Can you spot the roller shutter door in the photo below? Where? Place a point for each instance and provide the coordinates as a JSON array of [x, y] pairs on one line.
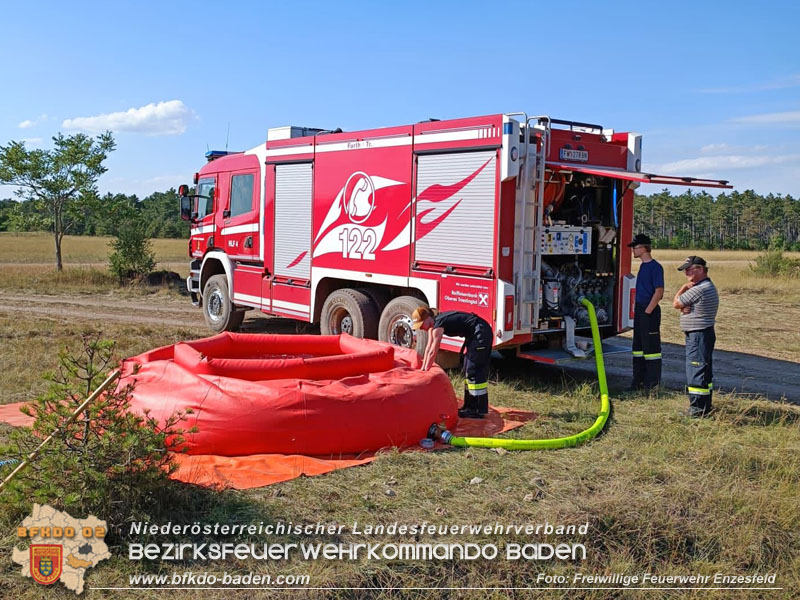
[[466, 181], [293, 190]]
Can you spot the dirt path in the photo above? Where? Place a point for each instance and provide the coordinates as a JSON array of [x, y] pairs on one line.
[[745, 373], [155, 311]]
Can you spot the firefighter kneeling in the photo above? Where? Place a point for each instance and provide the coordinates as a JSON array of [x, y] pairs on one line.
[[477, 335]]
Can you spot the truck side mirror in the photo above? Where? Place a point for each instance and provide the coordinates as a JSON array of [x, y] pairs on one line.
[[186, 204], [183, 190]]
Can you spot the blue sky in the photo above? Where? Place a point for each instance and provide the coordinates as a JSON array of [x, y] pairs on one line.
[[714, 87]]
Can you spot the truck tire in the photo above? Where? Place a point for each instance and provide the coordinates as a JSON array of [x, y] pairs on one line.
[[218, 310], [349, 311], [379, 296], [395, 325]]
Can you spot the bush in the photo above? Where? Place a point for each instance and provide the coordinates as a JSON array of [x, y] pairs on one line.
[[772, 263], [133, 255], [109, 461]]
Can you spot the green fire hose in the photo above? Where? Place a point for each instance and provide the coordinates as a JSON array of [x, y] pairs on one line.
[[563, 442]]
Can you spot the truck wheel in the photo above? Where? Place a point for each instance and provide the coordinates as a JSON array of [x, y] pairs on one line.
[[395, 325], [349, 311], [218, 309]]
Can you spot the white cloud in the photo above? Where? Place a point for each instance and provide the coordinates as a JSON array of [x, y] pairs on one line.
[[28, 123], [788, 118], [163, 118], [34, 141], [782, 83], [711, 164], [713, 148], [721, 148]]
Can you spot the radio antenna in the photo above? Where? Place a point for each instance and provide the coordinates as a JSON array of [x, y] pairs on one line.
[[227, 136]]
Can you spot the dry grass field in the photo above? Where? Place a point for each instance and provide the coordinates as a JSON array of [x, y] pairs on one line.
[[662, 494], [757, 315], [76, 249], [27, 262]]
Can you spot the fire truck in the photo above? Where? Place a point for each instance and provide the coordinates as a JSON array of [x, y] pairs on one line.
[[508, 216]]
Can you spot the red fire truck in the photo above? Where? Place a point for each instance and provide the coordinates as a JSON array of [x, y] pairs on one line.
[[510, 216]]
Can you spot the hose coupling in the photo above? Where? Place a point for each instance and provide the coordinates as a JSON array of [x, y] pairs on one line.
[[438, 432]]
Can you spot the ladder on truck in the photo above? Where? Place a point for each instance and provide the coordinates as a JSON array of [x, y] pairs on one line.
[[529, 214]]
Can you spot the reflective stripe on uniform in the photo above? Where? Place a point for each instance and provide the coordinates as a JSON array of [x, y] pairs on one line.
[[699, 391], [477, 386], [481, 392], [656, 356], [637, 353]]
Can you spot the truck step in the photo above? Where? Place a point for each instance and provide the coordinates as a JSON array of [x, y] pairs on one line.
[[559, 356]]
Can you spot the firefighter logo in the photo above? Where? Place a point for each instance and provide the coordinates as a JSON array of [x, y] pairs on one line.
[[46, 562], [359, 192]]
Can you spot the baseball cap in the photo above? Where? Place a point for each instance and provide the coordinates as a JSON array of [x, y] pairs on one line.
[[640, 240], [692, 260], [417, 318]]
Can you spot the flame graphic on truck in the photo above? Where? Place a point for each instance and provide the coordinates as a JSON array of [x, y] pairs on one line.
[[432, 209]]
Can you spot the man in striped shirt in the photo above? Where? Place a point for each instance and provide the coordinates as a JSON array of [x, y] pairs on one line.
[[698, 302]]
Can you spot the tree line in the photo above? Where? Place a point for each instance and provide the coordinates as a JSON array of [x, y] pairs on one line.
[[105, 215], [731, 220]]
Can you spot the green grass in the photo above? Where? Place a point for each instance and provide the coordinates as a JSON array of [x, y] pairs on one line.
[[662, 494]]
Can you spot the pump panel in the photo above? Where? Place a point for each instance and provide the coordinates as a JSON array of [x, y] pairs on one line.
[[565, 239]]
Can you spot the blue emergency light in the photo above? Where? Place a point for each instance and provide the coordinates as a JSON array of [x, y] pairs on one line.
[[214, 154]]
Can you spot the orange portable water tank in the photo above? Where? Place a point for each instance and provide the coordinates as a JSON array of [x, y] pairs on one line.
[[291, 394]]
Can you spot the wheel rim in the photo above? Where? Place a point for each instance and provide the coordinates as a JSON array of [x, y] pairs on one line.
[[341, 322], [215, 305], [401, 332]]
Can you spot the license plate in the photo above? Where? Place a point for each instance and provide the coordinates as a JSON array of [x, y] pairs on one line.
[[576, 155]]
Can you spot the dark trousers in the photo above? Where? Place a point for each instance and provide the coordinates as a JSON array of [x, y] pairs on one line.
[[476, 366], [646, 347], [700, 369]]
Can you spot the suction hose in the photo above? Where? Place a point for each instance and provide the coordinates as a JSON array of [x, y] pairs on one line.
[[564, 442]]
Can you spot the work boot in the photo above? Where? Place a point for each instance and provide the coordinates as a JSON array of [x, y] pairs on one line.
[[697, 405], [470, 409], [482, 404], [707, 408]]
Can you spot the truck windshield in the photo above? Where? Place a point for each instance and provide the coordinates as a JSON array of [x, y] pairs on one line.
[[205, 196]]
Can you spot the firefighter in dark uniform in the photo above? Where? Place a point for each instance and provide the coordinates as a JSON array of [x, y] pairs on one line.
[[647, 316], [477, 335], [698, 301]]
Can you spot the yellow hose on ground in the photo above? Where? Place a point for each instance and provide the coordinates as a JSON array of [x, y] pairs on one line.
[[563, 442]]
